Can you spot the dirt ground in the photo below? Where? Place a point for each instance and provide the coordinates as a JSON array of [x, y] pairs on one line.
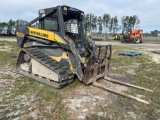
[[7, 39], [82, 103]]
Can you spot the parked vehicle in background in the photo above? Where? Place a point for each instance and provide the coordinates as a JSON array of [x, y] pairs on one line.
[[8, 31], [118, 36], [134, 36]]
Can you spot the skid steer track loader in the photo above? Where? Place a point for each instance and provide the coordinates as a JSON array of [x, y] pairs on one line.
[[54, 50]]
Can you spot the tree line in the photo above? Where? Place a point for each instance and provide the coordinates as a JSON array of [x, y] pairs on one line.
[[92, 23], [106, 23], [12, 23]]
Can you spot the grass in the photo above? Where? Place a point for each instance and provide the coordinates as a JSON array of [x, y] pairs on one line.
[[9, 55], [146, 73], [152, 41], [40, 97], [5, 76], [44, 96]]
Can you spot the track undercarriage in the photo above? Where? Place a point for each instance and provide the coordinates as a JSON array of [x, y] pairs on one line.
[[37, 65]]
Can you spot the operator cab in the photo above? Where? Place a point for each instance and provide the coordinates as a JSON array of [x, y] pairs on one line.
[[65, 21]]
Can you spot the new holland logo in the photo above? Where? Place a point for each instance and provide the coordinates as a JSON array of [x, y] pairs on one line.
[[39, 34], [20, 34]]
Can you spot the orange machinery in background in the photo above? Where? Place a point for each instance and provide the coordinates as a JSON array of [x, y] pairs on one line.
[[134, 36]]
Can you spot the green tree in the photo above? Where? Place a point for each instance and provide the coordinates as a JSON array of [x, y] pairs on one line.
[[90, 22], [111, 25], [106, 21], [154, 33], [129, 22], [115, 25], [11, 23], [20, 22], [3, 24], [125, 23], [100, 24], [94, 23]]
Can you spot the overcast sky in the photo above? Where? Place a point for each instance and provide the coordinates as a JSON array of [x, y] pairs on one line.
[[148, 11]]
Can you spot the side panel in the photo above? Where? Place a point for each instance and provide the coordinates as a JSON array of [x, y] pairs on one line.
[[41, 33], [39, 69], [46, 35]]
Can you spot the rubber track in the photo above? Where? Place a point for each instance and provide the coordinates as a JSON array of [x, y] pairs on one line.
[[65, 75]]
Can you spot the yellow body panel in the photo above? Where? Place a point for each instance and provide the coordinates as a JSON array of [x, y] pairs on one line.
[[45, 34], [48, 35], [64, 55]]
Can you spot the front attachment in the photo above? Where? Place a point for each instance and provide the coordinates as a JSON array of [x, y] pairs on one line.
[[98, 64]]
